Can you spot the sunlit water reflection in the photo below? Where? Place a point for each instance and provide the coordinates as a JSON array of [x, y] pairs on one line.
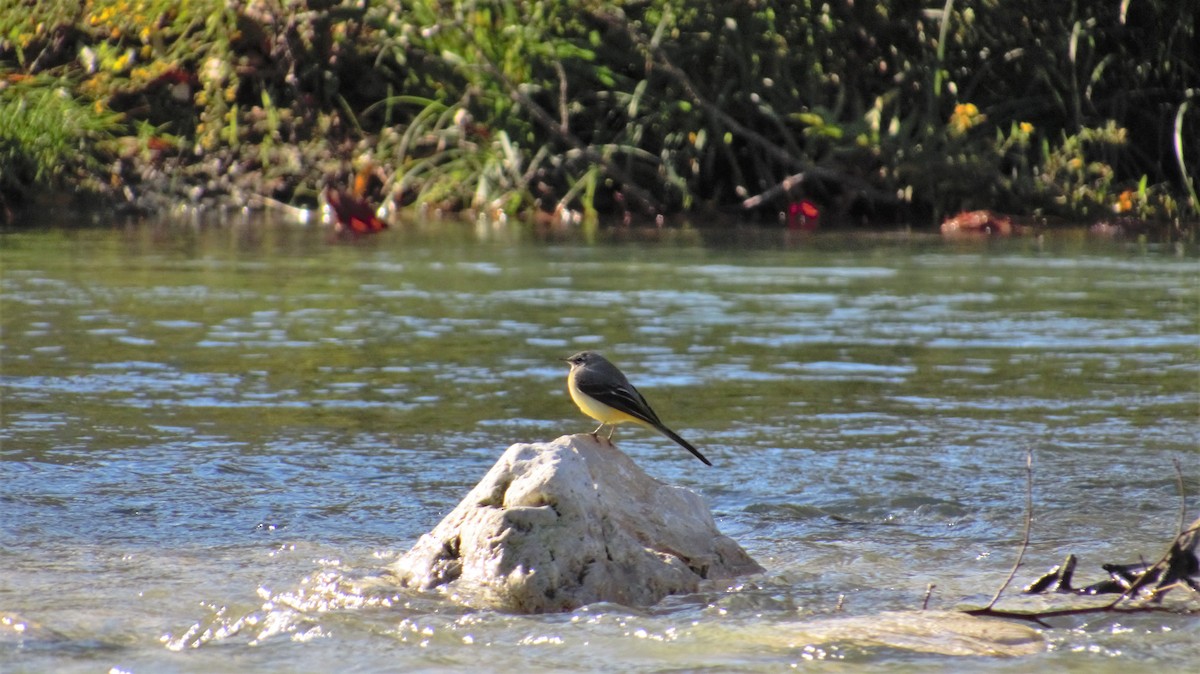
[[219, 436]]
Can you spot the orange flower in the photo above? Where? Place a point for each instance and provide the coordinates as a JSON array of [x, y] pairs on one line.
[[1124, 202]]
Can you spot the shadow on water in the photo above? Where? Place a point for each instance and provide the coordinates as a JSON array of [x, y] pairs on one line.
[[218, 434]]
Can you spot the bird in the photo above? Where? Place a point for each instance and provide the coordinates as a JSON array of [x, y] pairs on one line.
[[603, 393]]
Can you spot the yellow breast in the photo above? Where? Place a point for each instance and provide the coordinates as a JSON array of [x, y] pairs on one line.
[[596, 409]]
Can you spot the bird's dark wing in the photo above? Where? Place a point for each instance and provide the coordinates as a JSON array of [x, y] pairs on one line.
[[624, 398]]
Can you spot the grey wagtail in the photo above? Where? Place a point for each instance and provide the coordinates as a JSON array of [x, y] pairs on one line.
[[604, 394]]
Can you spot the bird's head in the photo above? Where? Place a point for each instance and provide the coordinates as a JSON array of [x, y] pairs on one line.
[[582, 358]]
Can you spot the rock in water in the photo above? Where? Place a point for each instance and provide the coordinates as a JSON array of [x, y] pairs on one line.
[[554, 526]]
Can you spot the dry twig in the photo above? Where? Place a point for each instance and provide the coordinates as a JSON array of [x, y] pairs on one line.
[[1028, 526]]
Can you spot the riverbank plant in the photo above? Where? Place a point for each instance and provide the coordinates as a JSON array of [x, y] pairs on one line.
[[50, 136], [881, 112]]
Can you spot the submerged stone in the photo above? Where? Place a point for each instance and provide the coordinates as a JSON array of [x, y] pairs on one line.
[[554, 526], [934, 632]]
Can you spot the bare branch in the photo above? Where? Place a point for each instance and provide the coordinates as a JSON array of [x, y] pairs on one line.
[[784, 185], [1028, 526], [1040, 616], [1182, 496], [928, 593], [1184, 543]]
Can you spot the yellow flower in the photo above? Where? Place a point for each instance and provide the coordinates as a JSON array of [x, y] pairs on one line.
[[1075, 163], [1026, 127], [965, 116]]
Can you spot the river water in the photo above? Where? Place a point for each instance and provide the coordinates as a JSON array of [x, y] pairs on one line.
[[213, 436]]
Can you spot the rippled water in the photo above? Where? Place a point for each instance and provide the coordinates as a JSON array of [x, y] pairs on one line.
[[214, 437]]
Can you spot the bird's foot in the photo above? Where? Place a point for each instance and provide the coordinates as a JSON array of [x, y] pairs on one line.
[[600, 439]]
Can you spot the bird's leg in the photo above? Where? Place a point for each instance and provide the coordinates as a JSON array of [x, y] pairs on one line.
[[611, 430], [594, 436]]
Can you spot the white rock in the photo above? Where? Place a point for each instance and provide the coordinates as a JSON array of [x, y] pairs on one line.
[[554, 526]]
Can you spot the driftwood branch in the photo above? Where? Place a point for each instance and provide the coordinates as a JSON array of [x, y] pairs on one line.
[[1040, 617], [1177, 568]]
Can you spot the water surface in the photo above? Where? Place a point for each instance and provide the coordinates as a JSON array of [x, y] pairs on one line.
[[210, 433]]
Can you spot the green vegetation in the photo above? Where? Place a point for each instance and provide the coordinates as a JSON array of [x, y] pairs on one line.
[[888, 111], [47, 134]]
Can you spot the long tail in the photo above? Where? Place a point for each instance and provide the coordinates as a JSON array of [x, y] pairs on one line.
[[682, 443]]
